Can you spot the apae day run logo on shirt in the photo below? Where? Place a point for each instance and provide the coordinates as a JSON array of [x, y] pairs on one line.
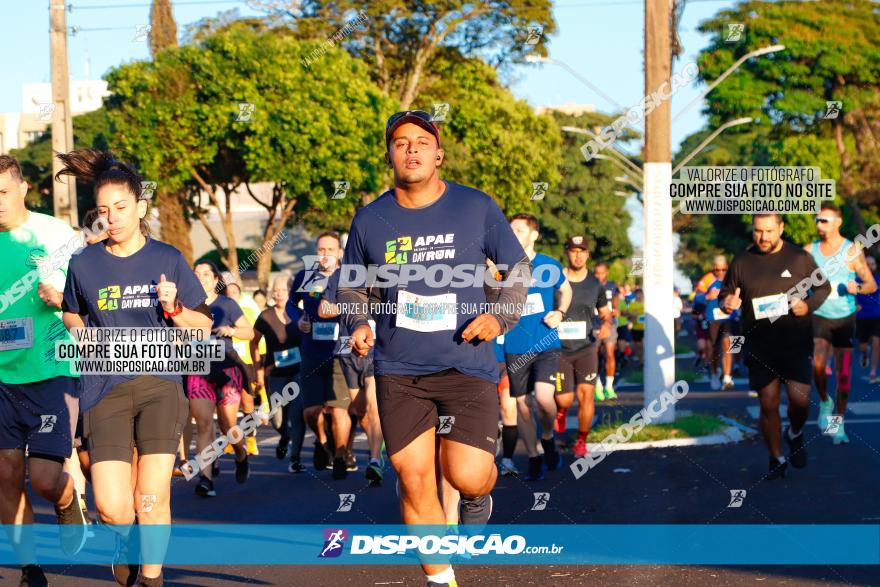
[[113, 297], [425, 248]]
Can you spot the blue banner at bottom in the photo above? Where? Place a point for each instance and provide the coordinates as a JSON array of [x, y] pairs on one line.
[[227, 544]]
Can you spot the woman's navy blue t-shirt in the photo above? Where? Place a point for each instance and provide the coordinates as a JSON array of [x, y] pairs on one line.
[[116, 291]]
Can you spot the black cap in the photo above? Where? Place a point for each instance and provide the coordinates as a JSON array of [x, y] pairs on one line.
[[577, 242], [419, 117]]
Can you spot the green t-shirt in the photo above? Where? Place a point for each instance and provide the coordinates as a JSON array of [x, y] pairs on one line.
[[37, 251], [623, 308]]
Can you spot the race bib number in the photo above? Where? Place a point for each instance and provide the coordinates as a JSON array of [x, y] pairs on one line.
[[770, 306], [325, 330], [426, 313], [572, 330], [641, 319], [372, 326], [16, 333], [499, 339], [287, 357], [718, 315], [534, 305]]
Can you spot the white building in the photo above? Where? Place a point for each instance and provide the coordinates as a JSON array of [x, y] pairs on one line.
[[19, 129]]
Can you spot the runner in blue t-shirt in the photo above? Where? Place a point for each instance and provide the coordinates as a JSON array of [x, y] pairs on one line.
[[130, 280], [868, 325], [320, 337], [359, 377], [433, 361], [719, 329], [532, 349]]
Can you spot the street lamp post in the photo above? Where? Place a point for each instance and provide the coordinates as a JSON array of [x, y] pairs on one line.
[[731, 69]]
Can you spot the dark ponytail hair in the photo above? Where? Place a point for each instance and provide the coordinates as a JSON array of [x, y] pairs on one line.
[[220, 288], [102, 168]]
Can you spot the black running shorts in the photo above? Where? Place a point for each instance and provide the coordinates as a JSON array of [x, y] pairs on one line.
[[867, 328], [526, 370], [147, 412], [839, 332], [766, 366], [463, 408], [579, 367]]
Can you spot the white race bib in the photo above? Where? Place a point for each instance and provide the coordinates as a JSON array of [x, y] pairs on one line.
[[572, 330], [287, 357], [534, 305], [426, 313], [500, 339], [372, 326], [16, 333], [325, 330], [772, 306], [718, 314]]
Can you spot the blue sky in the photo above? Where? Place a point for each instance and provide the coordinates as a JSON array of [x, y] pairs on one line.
[[601, 39]]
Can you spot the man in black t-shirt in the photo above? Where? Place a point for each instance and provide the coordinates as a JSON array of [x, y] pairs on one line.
[[763, 282], [578, 365]]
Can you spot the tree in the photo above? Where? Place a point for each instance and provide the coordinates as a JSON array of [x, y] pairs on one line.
[[401, 41], [174, 219], [584, 202], [492, 140], [832, 54], [236, 108]]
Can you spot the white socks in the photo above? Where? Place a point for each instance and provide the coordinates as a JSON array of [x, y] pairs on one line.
[[443, 577]]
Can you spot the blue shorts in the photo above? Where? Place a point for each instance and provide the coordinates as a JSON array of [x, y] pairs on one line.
[[36, 416]]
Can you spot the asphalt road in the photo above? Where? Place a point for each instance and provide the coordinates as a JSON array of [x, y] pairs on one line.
[[656, 486]]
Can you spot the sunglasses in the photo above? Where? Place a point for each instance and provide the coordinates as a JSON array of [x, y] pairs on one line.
[[719, 270], [823, 220]]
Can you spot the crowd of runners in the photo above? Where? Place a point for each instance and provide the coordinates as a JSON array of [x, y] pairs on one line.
[[444, 396]]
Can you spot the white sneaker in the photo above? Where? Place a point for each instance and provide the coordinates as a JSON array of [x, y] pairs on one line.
[[715, 383], [727, 383], [599, 386]]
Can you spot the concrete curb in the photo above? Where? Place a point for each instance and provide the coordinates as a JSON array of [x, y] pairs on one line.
[[728, 435]]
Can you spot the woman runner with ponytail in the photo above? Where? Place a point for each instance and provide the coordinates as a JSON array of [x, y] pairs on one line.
[[130, 280]]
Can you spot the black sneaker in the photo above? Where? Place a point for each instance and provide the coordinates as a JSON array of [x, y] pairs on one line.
[[281, 449], [321, 457], [350, 461], [374, 475], [32, 576], [242, 470], [339, 469], [475, 511], [205, 488], [551, 455], [125, 572], [295, 467], [72, 531], [777, 469], [536, 469], [797, 455]]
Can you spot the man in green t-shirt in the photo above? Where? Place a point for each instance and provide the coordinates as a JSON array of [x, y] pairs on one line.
[[36, 390]]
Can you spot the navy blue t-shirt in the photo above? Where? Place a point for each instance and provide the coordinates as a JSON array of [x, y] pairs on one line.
[[531, 334], [463, 226], [110, 291], [225, 312], [308, 286]]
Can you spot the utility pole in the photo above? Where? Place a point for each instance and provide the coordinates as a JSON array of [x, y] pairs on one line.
[[63, 194], [659, 346]]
